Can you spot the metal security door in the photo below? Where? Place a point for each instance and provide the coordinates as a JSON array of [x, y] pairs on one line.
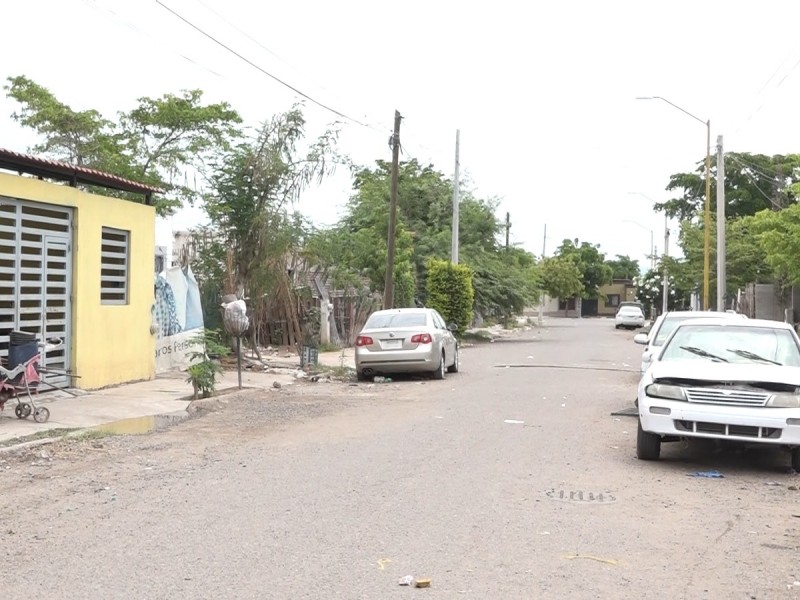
[[55, 299], [35, 276]]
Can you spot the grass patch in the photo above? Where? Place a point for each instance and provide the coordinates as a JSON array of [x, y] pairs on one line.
[[481, 335], [39, 435], [89, 434], [345, 373], [64, 433], [328, 347]]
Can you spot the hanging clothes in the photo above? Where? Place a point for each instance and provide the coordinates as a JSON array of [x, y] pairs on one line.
[[164, 309], [177, 281], [194, 307]]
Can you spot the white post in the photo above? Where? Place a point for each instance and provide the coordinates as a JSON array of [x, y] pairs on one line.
[[721, 275], [652, 252], [454, 238], [541, 296], [665, 286]]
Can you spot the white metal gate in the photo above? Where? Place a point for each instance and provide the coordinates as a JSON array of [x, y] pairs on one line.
[[35, 278]]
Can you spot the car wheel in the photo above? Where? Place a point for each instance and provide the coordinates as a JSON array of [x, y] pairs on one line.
[[616, 326], [648, 445], [360, 376], [454, 367], [796, 459], [439, 372]]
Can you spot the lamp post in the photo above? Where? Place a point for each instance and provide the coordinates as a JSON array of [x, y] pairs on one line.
[[652, 246], [707, 220]]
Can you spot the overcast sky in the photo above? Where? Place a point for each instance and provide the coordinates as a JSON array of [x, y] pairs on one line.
[[543, 93]]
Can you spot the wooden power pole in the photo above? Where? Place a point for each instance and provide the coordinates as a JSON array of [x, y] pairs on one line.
[[394, 142], [508, 227]]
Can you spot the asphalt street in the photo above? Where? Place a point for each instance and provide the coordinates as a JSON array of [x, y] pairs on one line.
[[510, 479]]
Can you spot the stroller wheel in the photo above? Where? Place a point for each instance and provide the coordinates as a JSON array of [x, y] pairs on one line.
[[41, 414], [22, 410]]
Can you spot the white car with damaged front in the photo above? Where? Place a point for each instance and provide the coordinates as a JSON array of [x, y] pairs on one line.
[[731, 380]]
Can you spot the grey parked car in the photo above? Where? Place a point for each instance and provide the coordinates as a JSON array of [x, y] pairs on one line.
[[406, 340]]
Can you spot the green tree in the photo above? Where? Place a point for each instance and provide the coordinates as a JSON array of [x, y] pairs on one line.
[[561, 278], [506, 282], [503, 283], [778, 235], [753, 182], [745, 255], [591, 263], [623, 267], [164, 142], [254, 228], [650, 287]]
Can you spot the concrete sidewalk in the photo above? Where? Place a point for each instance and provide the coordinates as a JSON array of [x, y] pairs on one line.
[[168, 394]]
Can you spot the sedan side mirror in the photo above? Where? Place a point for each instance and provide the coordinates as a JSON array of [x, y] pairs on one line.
[[641, 338], [452, 327]]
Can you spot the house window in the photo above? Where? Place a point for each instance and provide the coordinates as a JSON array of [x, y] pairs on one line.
[[612, 300], [568, 304], [114, 253]]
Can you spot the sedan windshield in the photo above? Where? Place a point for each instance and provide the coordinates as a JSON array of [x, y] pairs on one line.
[[728, 343], [397, 319]]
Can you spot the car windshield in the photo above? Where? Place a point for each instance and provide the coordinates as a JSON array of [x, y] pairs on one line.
[[668, 325], [732, 344], [630, 311], [397, 319]]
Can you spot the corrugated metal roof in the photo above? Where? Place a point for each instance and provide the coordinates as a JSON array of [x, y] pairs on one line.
[[74, 174]]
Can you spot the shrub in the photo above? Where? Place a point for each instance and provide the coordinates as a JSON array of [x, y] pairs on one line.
[[450, 292]]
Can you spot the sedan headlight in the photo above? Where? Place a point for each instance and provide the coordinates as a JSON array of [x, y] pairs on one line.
[[784, 401], [666, 391]]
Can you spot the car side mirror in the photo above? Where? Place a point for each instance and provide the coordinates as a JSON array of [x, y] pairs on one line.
[[452, 327], [640, 338]]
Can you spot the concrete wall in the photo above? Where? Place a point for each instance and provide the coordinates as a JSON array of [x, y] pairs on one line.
[[110, 343], [551, 308]]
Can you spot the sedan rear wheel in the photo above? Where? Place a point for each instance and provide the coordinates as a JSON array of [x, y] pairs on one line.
[[454, 367], [648, 445], [439, 372]]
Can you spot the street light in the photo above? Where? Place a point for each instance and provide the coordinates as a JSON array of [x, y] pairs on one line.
[[652, 247], [665, 278], [707, 221]]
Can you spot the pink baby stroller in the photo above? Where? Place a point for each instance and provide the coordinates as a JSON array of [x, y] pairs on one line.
[[25, 377]]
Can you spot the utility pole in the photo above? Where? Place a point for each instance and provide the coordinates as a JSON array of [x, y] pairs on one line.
[[508, 227], [721, 274], [394, 142], [456, 199], [665, 283], [707, 220], [544, 255]]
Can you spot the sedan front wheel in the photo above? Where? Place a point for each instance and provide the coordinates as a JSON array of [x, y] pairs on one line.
[[648, 445]]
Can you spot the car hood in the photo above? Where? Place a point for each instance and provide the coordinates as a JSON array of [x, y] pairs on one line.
[[706, 370]]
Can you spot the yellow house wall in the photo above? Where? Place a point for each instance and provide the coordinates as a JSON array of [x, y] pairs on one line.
[[626, 294], [110, 343]]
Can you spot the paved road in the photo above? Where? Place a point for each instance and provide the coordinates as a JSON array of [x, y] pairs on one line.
[[333, 491]]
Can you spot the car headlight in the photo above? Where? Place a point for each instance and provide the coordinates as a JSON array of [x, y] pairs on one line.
[[784, 401], [666, 391]]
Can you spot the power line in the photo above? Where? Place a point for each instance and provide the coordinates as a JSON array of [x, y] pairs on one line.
[[267, 50], [755, 185], [774, 90], [752, 167], [265, 72], [132, 27]]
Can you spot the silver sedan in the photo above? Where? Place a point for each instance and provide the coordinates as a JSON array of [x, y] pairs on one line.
[[406, 340]]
